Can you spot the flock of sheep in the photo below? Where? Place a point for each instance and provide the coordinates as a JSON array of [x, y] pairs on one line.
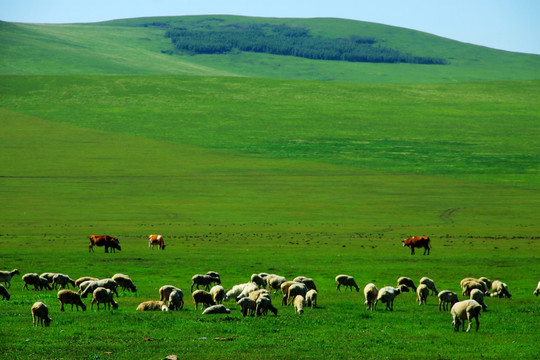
[[253, 297]]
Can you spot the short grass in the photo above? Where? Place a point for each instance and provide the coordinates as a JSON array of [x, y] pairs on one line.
[[222, 207]]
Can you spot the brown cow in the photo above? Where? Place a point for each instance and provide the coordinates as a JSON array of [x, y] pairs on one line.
[[156, 240], [417, 242], [104, 240]]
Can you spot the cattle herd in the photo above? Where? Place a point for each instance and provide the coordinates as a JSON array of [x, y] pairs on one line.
[[254, 296]]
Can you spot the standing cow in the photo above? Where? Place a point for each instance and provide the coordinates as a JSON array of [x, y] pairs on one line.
[[417, 242], [104, 240], [156, 240]]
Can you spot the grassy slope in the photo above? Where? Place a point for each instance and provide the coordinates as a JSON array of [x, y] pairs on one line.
[[124, 47], [478, 131]]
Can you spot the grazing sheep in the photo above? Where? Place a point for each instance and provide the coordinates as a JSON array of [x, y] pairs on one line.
[[248, 289], [407, 282], [430, 284], [306, 281], [80, 280], [537, 291], [469, 285], [274, 282], [67, 296], [447, 297], [370, 293], [465, 310], [63, 280], [259, 280], [38, 282], [255, 295], [124, 282], [311, 298], [467, 279], [4, 293], [218, 293], [40, 312], [264, 303], [299, 302], [346, 280], [152, 305], [235, 291], [423, 292], [203, 280], [500, 289], [202, 297], [285, 291], [387, 295], [216, 309], [247, 306], [176, 300], [214, 274], [49, 276], [103, 296], [486, 281], [295, 290], [5, 276], [165, 292], [90, 286], [478, 296]]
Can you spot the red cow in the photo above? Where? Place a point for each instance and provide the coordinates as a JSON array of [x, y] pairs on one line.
[[417, 242], [156, 240], [104, 240]]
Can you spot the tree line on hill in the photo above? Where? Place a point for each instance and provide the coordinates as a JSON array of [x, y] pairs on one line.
[[289, 41]]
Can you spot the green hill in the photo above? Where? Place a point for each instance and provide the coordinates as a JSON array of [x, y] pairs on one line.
[[139, 46]]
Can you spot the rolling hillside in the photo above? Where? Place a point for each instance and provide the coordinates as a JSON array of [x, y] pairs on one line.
[[139, 46]]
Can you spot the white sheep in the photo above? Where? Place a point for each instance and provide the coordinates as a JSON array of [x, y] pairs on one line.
[[80, 280], [347, 281], [152, 305], [423, 292], [478, 296], [306, 281], [255, 295], [67, 296], [202, 297], [124, 282], [469, 285], [49, 276], [500, 289], [63, 280], [176, 300], [299, 302], [387, 295], [285, 291], [403, 280], [5, 276], [370, 294], [4, 293], [447, 297], [274, 282], [218, 293], [486, 281], [264, 303], [430, 284], [88, 287], [247, 306], [465, 310], [248, 289], [311, 298], [216, 309], [40, 313], [235, 291], [103, 296], [295, 290], [537, 291]]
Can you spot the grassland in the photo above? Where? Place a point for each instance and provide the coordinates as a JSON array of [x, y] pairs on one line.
[[243, 173], [85, 155]]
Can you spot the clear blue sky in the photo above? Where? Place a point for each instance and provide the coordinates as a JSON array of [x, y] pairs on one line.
[[512, 25]]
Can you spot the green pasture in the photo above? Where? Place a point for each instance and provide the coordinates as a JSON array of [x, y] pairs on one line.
[[289, 177]]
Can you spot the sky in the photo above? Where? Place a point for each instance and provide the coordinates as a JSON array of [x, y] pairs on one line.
[[512, 25]]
